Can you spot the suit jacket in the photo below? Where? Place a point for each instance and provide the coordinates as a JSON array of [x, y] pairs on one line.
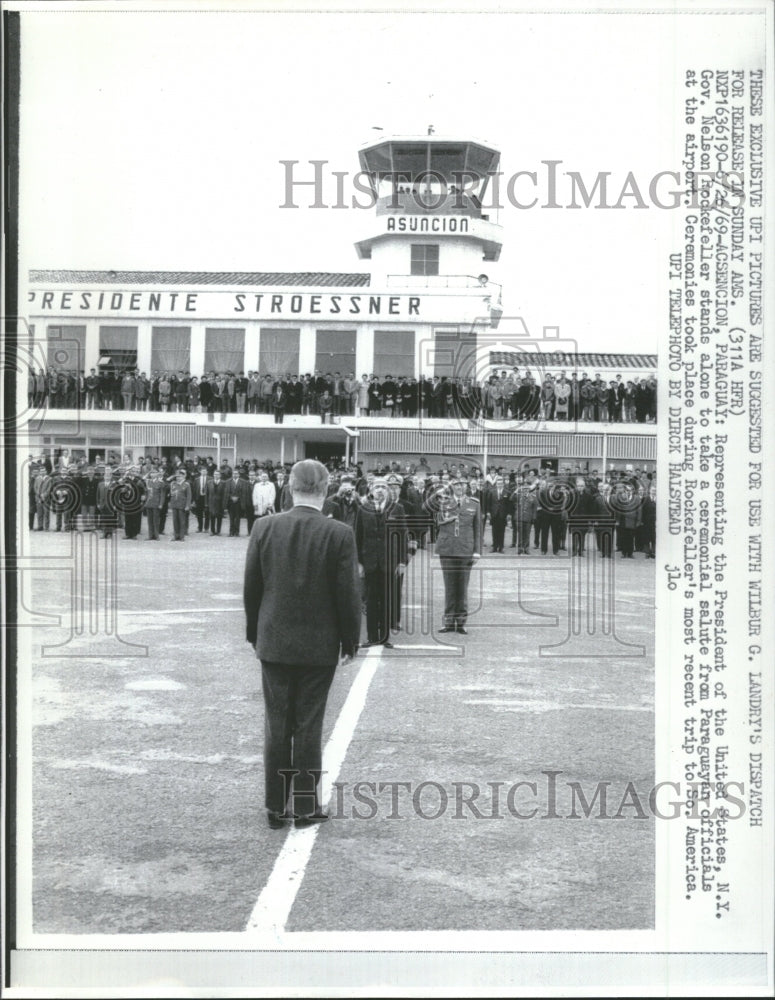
[[302, 591], [242, 490], [197, 492], [500, 509], [106, 496], [216, 493], [381, 538]]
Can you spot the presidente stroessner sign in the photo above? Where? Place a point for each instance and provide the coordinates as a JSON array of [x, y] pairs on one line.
[[219, 304]]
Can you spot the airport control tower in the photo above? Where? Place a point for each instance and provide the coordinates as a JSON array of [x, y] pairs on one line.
[[430, 227]]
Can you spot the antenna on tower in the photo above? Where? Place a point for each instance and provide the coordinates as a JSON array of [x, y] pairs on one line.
[[431, 130]]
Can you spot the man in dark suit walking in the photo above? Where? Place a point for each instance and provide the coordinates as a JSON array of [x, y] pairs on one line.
[[303, 608]]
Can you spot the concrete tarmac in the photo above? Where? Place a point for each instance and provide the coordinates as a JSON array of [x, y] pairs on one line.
[[465, 777]]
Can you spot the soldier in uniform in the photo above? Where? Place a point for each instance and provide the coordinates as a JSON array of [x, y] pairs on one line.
[[154, 498], [132, 501], [524, 503], [180, 505], [458, 544], [106, 502]]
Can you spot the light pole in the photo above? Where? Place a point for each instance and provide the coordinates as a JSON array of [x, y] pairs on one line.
[[217, 437]]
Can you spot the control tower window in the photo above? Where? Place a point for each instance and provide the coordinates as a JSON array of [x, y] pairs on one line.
[[425, 258]]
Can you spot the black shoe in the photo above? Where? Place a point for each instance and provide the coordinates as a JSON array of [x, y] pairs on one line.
[[317, 817], [462, 630], [387, 644], [447, 628], [276, 820]]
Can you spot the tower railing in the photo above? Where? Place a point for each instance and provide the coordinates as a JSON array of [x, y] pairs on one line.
[[443, 281]]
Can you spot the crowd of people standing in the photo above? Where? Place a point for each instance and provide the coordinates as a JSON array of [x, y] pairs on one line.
[[393, 510], [503, 395], [543, 508]]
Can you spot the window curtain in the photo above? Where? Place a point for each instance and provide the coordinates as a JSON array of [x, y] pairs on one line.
[[278, 352], [224, 350], [171, 349], [66, 347], [394, 353], [454, 352], [335, 351], [114, 339]]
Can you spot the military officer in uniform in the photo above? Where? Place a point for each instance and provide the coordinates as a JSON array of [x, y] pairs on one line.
[[459, 545]]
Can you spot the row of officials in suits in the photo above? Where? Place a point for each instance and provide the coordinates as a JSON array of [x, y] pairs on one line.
[[543, 509]]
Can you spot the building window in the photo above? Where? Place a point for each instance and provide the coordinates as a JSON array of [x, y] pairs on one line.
[[118, 348], [425, 258], [335, 351], [66, 347], [394, 353], [224, 350], [453, 353], [170, 348], [278, 352]]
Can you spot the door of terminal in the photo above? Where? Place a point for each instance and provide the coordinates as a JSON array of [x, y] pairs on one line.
[[323, 451]]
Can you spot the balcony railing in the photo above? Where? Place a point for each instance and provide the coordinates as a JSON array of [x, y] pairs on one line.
[[444, 281]]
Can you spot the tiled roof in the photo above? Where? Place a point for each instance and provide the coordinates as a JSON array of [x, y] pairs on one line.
[[558, 359], [335, 279]]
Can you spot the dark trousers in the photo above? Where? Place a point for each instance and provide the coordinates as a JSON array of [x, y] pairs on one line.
[[551, 524], [578, 535], [179, 522], [216, 520], [153, 521], [626, 540], [235, 516], [523, 535], [88, 517], [44, 516], [202, 515], [294, 707], [251, 516], [498, 531], [604, 537], [396, 599], [378, 594], [108, 521], [456, 571], [132, 523]]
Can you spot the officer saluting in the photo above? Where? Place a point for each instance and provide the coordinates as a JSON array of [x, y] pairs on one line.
[[458, 544]]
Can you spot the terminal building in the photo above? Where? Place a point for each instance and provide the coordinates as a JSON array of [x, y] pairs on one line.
[[426, 307]]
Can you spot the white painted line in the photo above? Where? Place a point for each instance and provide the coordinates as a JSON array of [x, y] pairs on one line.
[[409, 645], [554, 706], [270, 914], [155, 684], [179, 611]]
